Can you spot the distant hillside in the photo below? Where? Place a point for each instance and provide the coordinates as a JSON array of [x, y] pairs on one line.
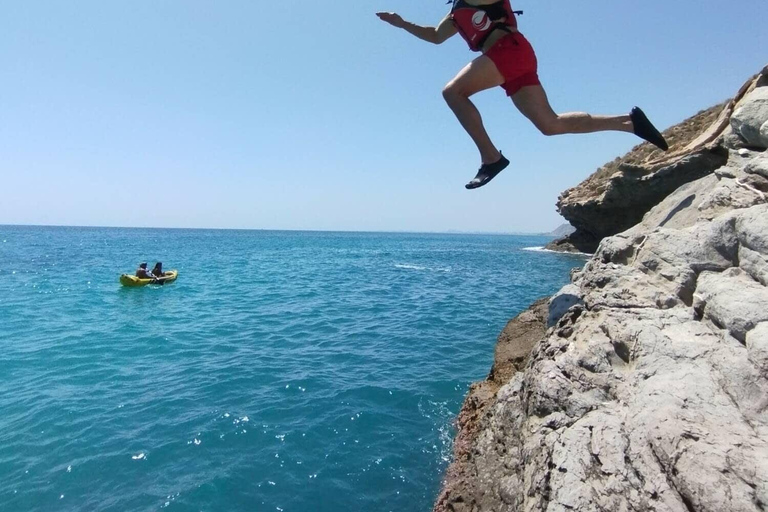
[[563, 230]]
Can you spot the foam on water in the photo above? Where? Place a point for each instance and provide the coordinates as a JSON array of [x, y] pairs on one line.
[[542, 249], [282, 371], [417, 267]]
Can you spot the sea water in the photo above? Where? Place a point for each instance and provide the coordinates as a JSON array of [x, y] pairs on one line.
[[283, 371]]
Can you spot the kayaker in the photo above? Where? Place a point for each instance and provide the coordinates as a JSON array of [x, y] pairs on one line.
[[157, 271], [143, 273], [508, 60]]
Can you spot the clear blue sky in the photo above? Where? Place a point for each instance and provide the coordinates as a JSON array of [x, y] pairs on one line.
[[316, 115]]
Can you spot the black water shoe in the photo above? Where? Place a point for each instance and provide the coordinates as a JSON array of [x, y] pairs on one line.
[[645, 130], [487, 172]]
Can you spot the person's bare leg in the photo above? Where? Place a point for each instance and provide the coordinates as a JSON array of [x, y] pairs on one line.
[[533, 103], [478, 75]]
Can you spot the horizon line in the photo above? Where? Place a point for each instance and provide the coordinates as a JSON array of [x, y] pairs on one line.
[[298, 230]]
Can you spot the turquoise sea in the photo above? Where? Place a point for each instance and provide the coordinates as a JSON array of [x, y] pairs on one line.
[[283, 371]]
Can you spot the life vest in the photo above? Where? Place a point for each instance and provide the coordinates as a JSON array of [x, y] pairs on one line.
[[475, 23]]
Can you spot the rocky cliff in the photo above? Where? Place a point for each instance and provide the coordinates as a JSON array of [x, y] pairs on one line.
[[642, 385], [619, 194]]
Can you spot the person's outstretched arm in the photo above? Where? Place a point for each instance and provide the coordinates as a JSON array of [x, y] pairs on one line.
[[436, 35]]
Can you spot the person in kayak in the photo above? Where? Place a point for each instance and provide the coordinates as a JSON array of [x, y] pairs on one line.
[[143, 273], [508, 60], [157, 271]]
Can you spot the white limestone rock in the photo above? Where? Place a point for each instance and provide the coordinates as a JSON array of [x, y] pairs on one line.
[[757, 345], [758, 165], [750, 119], [562, 301], [651, 392]]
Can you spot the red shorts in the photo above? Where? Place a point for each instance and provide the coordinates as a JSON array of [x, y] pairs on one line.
[[516, 61]]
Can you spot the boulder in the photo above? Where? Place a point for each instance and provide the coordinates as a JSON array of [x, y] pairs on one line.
[[758, 166], [757, 345], [732, 301], [750, 120], [561, 302]]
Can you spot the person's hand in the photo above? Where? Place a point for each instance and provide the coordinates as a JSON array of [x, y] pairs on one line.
[[392, 18]]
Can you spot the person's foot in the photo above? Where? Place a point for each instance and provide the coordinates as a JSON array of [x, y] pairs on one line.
[[487, 172], [644, 129]]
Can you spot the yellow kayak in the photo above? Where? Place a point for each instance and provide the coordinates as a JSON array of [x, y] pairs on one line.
[[133, 281]]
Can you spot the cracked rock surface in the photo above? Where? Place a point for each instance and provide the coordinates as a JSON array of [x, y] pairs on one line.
[[648, 387]]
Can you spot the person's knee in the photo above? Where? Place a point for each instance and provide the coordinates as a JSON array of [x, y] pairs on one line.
[[550, 127], [548, 130], [449, 93], [452, 92]]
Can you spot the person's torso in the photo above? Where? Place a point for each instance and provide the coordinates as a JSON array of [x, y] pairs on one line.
[[476, 23]]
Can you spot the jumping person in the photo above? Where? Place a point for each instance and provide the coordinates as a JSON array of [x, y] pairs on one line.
[[508, 60]]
